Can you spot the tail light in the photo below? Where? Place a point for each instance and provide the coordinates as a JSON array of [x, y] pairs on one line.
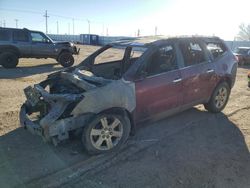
[[236, 58]]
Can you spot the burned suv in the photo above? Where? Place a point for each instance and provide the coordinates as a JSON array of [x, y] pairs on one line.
[[24, 43], [105, 99]]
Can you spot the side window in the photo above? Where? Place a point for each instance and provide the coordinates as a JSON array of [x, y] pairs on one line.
[[4, 35], [37, 37], [192, 53], [20, 36], [110, 55], [216, 49], [163, 60]]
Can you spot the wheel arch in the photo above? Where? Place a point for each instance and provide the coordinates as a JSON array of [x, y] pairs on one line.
[[62, 51], [228, 80], [9, 48]]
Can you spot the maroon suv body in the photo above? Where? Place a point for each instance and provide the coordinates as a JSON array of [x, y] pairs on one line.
[[152, 80]]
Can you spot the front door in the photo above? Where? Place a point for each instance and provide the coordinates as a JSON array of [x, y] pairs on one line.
[[41, 45], [160, 91]]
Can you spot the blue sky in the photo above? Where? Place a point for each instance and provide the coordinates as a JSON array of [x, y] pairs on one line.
[[172, 17]]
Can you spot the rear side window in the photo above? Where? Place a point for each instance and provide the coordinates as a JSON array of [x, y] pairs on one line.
[[4, 35], [20, 36], [216, 49], [192, 53]]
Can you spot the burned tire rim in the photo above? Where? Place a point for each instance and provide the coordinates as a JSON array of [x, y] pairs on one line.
[[107, 133], [221, 97]]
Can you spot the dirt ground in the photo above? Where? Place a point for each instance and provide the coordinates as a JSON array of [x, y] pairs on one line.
[[191, 149]]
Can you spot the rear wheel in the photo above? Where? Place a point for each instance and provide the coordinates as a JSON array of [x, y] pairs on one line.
[[219, 98], [8, 60], [106, 132], [66, 59]]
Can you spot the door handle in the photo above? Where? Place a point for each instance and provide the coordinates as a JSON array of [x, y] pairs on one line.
[[210, 70], [177, 80]]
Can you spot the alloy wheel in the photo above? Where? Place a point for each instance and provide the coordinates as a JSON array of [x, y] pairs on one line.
[[107, 133]]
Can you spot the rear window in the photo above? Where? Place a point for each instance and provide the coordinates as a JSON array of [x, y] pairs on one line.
[[216, 49], [192, 53], [4, 35], [20, 36]]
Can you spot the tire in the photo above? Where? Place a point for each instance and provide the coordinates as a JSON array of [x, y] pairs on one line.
[[100, 137], [66, 59], [8, 60], [219, 98]]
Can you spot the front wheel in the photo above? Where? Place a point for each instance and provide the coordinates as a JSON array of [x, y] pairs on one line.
[[66, 59], [219, 98], [106, 132]]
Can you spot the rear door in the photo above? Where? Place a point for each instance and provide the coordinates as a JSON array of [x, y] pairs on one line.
[[197, 72], [160, 91], [21, 40]]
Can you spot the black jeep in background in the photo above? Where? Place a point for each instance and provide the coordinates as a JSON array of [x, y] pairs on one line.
[[24, 43]]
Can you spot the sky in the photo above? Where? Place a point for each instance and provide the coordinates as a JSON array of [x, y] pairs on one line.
[[125, 17]]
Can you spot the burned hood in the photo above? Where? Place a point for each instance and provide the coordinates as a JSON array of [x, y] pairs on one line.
[[84, 79], [98, 94]]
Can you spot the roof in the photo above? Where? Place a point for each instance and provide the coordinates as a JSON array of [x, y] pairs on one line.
[[243, 47], [8, 28], [158, 40]]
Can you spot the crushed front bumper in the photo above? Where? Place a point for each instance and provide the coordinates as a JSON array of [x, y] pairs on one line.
[[26, 123], [50, 125], [76, 51]]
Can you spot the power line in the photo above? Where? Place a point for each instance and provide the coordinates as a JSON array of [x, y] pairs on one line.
[[17, 10]]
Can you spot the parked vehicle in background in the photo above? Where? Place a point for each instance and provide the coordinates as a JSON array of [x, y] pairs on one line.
[[248, 77], [24, 43], [243, 55], [105, 98]]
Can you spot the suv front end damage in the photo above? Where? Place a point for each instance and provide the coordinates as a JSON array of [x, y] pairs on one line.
[[67, 100]]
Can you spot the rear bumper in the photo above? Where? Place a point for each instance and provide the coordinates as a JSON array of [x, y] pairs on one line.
[[248, 80]]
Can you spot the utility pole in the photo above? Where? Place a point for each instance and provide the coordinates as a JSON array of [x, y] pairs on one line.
[[138, 33], [89, 31], [57, 27], [68, 28], [89, 25], [16, 20], [102, 29], [46, 20], [73, 26]]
